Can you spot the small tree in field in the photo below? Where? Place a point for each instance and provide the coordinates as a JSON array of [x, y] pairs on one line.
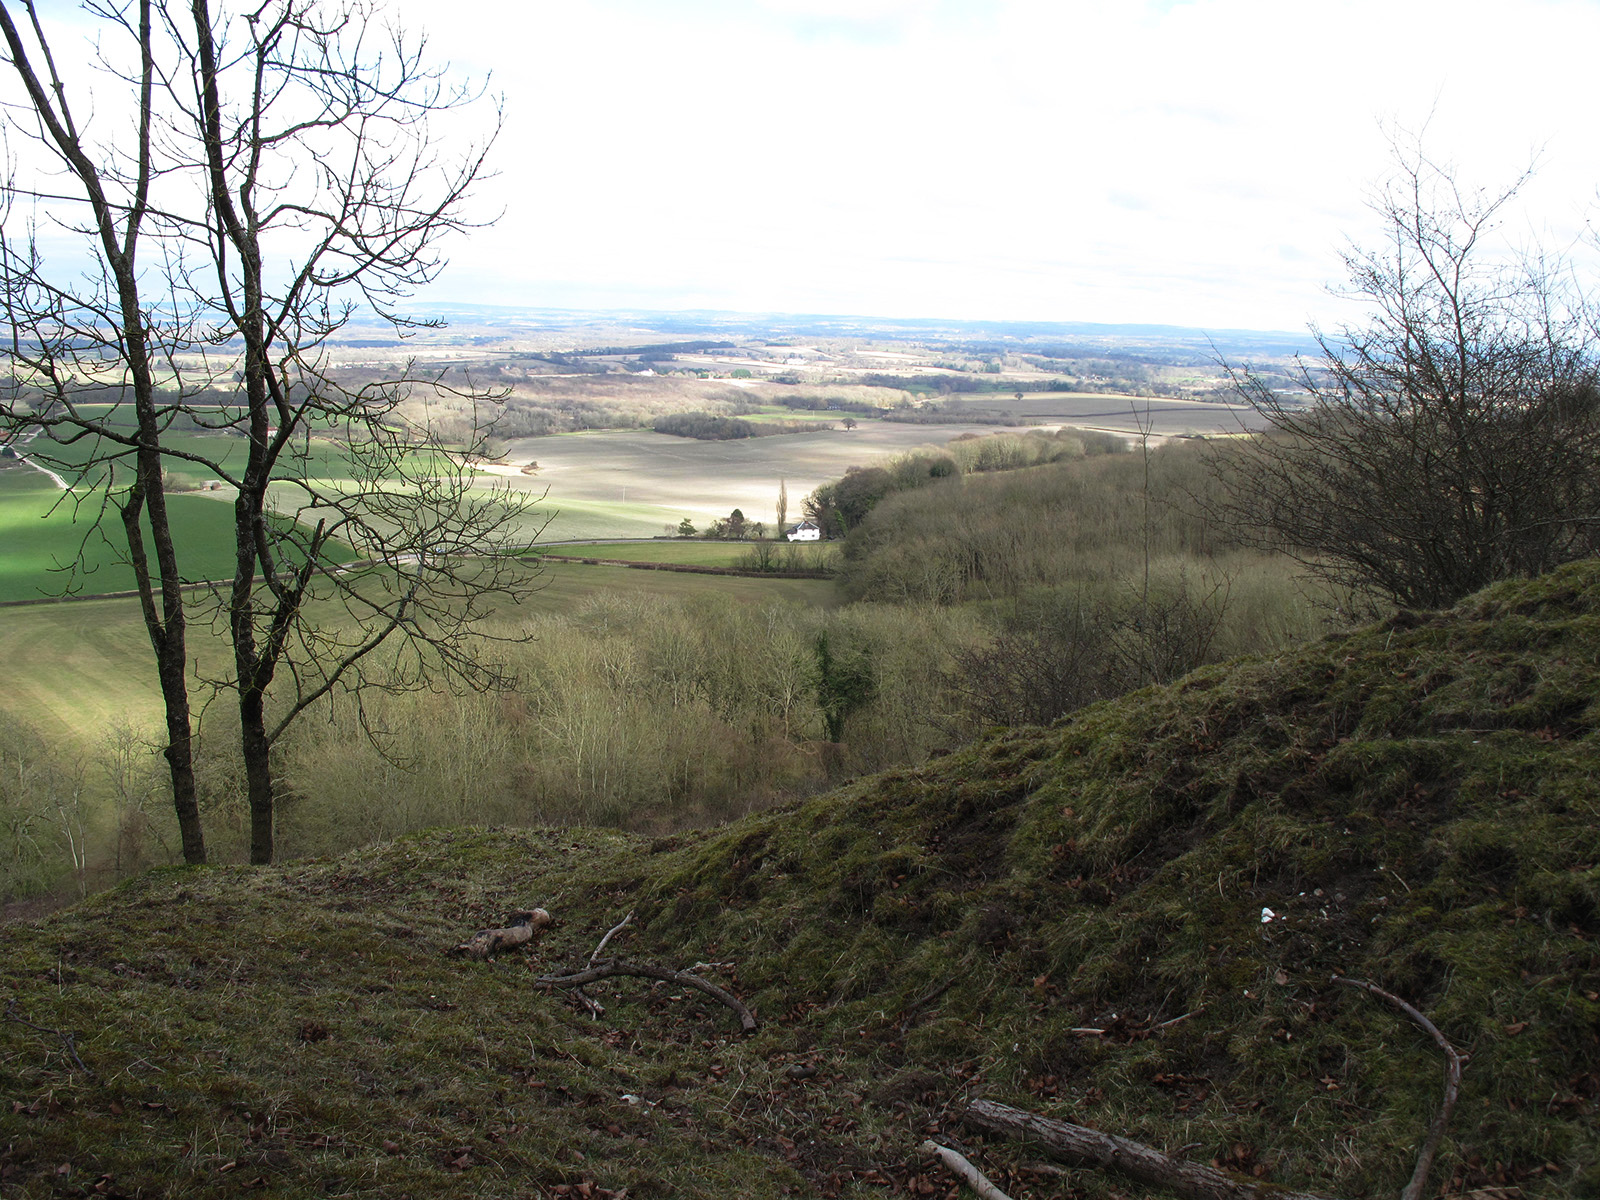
[[270, 171], [1452, 439]]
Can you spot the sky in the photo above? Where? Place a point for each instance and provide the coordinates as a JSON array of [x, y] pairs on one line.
[[1197, 163]]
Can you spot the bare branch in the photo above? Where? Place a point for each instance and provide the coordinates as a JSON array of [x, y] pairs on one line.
[[1454, 1061], [611, 967], [963, 1169]]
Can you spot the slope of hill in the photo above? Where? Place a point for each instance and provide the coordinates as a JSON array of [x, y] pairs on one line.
[[1129, 920]]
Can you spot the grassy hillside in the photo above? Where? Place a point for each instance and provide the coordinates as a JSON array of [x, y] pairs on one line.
[[69, 666], [1415, 806]]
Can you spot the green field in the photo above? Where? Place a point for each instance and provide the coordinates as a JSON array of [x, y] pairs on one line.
[[73, 666], [43, 531], [314, 458], [687, 551]]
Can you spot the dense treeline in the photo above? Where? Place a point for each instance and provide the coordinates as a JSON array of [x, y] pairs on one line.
[[812, 402], [537, 407], [706, 427], [839, 507], [709, 427], [1093, 577], [979, 537], [662, 348]]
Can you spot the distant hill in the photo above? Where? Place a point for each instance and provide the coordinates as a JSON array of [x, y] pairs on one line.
[[1129, 920], [1088, 336]]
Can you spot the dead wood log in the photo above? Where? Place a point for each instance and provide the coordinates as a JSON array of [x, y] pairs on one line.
[[518, 930], [1085, 1147], [962, 1167], [610, 967]]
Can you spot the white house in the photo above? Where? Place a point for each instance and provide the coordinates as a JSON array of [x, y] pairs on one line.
[[806, 531]]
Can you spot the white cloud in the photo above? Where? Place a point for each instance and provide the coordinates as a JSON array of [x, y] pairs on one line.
[[1195, 162]]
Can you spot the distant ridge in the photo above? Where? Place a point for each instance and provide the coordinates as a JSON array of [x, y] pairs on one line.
[[721, 322]]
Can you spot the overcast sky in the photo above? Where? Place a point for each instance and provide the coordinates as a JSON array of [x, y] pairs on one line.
[[1196, 163]]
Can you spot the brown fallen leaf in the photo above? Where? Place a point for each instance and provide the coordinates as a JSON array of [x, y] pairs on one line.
[[1513, 1030]]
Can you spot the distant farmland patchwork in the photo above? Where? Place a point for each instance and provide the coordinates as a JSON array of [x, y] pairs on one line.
[[599, 484], [633, 483]]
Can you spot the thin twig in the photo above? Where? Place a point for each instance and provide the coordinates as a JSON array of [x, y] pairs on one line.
[[970, 1175], [910, 1010], [594, 1006], [1175, 1020], [68, 1040], [610, 933], [1454, 1060], [611, 967]]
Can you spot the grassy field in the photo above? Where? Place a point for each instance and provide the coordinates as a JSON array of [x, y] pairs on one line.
[[315, 458], [72, 666], [654, 479], [1097, 410], [43, 529], [687, 551]]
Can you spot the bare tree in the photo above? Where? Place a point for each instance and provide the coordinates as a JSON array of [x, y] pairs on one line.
[[1451, 440], [298, 179], [80, 341]]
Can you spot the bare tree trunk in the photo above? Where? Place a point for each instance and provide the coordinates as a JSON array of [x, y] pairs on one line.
[[257, 750], [117, 230], [167, 629]]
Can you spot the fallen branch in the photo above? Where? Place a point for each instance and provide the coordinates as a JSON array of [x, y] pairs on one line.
[[1175, 1020], [589, 1002], [911, 1010], [961, 1166], [518, 930], [1084, 1147], [68, 1040], [607, 969], [1089, 1147], [610, 933], [1454, 1060]]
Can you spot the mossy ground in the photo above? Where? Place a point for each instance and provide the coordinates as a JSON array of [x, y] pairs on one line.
[[1415, 805]]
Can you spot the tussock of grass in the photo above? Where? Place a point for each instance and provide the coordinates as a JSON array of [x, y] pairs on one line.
[[1415, 804]]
